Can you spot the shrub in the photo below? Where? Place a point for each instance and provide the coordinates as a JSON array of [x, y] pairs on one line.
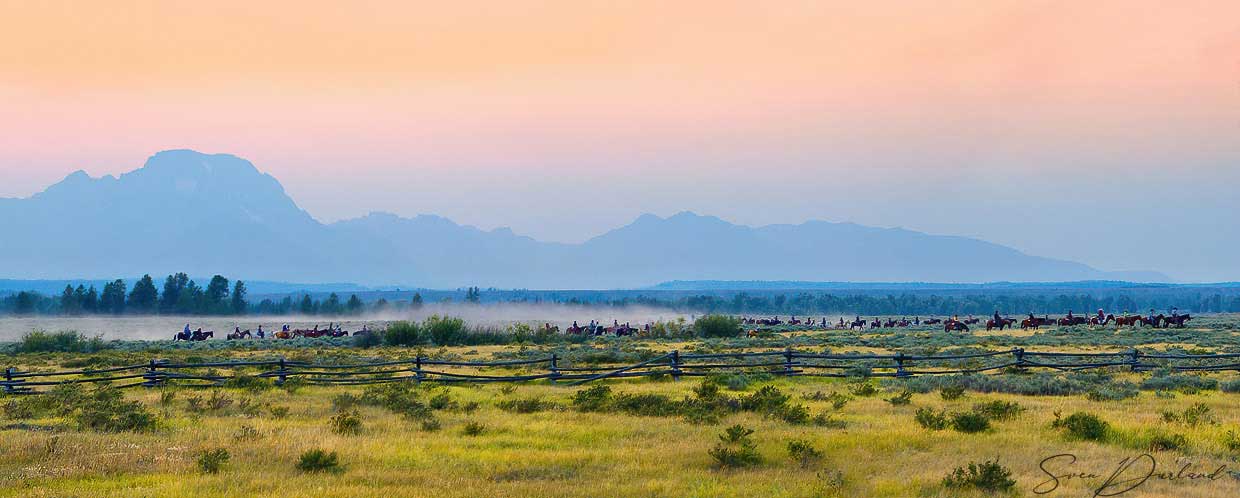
[[1082, 426], [717, 326], [249, 383], [1231, 441], [279, 412], [1113, 392], [592, 399], [1188, 384], [345, 401], [317, 460], [441, 401], [765, 400], [804, 452], [735, 448], [998, 409], [902, 399], [403, 333], [59, 342], [1231, 386], [473, 428], [969, 422], [445, 331], [346, 423], [951, 393], [863, 389], [431, 424], [210, 461], [826, 420], [987, 476], [527, 405], [1161, 441], [930, 419], [105, 410], [367, 341]]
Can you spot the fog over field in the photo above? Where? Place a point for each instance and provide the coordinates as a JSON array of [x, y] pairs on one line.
[[164, 326]]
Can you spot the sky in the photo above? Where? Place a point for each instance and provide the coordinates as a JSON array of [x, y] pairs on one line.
[[1106, 132]]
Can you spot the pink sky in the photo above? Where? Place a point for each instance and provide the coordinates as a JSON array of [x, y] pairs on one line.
[[512, 113]]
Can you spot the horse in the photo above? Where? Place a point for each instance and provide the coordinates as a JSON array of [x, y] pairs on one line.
[[181, 336], [1095, 321], [199, 335], [1001, 324], [232, 336], [875, 324], [1176, 320], [951, 325], [858, 324], [1130, 321], [1076, 320], [972, 321], [932, 321]]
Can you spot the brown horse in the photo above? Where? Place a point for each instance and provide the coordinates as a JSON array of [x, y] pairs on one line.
[[1076, 320], [1130, 321], [1001, 324], [951, 325], [1177, 320], [1094, 320]]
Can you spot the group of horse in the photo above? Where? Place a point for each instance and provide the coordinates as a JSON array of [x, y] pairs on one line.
[[962, 325], [238, 334], [595, 328], [1177, 320]]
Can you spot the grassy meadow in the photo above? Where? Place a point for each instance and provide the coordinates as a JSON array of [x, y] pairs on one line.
[[645, 437]]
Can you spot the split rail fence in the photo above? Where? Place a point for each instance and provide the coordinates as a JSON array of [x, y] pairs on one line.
[[788, 362]]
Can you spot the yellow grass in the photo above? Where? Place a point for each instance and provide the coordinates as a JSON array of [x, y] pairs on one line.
[[882, 452]]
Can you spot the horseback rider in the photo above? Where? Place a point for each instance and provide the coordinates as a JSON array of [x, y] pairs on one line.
[[285, 328], [1175, 312], [1152, 318], [997, 319], [260, 331], [1069, 315], [1031, 318], [1101, 317]]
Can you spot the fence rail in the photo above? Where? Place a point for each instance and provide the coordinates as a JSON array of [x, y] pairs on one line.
[[788, 362]]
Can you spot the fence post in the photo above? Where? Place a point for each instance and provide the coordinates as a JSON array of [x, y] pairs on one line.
[[1020, 356], [152, 375], [676, 364], [788, 361], [417, 369], [8, 380], [1134, 359], [555, 366], [900, 365], [283, 372]]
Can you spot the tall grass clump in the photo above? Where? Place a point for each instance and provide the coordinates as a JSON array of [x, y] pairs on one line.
[[403, 333], [717, 326], [317, 460], [735, 448], [987, 476], [1082, 426], [60, 342]]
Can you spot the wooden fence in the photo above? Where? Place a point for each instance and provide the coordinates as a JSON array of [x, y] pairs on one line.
[[788, 362]]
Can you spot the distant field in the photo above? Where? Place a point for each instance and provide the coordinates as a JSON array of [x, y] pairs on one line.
[[648, 437]]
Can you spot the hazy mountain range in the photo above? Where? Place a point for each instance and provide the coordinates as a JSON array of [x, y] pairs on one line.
[[204, 214]]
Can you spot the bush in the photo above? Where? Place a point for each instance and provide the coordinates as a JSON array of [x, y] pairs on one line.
[[951, 393], [987, 476], [1231, 441], [717, 326], [105, 410], [210, 461], [735, 448], [317, 460], [1161, 441], [59, 342], [930, 419], [1231, 386], [969, 422], [473, 428], [1192, 416], [826, 420], [592, 399], [902, 399], [1188, 384], [346, 423], [1113, 392], [445, 331], [998, 409], [1082, 426], [863, 389], [431, 424], [403, 333], [804, 452], [278, 412], [765, 400], [527, 405], [370, 340]]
